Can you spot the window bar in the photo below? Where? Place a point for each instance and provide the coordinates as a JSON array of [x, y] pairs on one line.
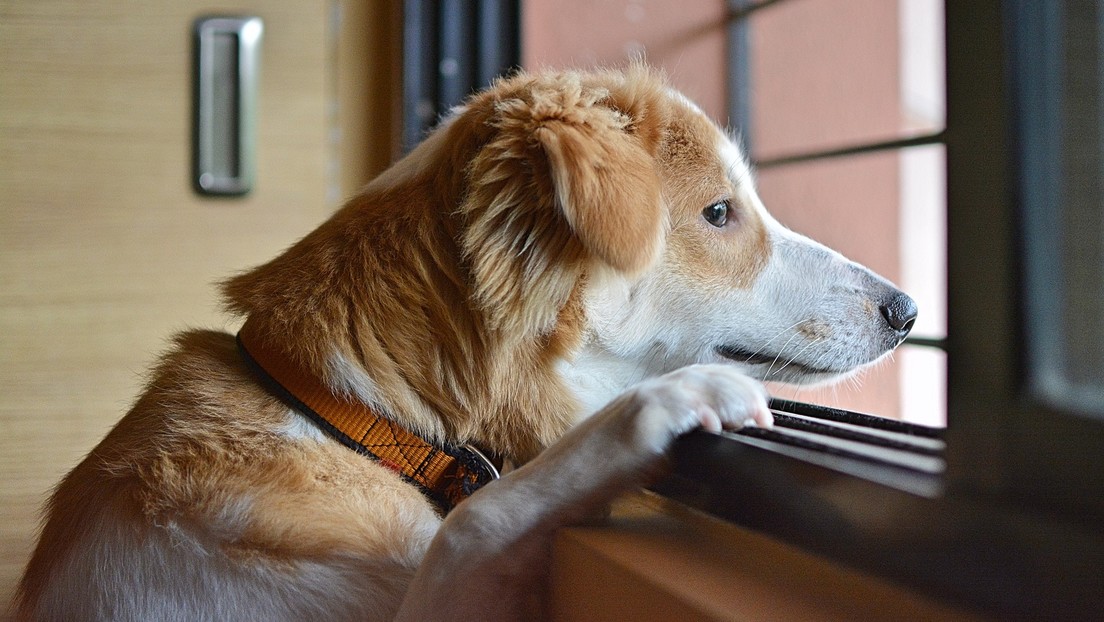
[[452, 48], [738, 87], [838, 415], [889, 145], [419, 64], [456, 65], [499, 39], [927, 342], [853, 436]]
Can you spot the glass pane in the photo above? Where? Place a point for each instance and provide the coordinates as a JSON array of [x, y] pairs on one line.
[[923, 231], [825, 74], [922, 373]]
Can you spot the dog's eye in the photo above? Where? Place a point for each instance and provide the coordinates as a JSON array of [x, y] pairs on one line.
[[716, 214]]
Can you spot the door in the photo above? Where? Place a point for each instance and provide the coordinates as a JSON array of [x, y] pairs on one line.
[[105, 250]]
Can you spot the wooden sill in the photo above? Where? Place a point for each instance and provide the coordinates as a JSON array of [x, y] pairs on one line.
[[654, 559]]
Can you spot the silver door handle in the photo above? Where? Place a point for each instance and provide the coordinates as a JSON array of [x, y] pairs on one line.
[[227, 61]]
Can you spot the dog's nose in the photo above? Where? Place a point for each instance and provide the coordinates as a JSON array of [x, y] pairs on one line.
[[899, 312]]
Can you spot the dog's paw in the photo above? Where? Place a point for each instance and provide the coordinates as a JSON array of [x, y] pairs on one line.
[[712, 397]]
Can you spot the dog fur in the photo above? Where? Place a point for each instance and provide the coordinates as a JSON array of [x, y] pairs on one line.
[[537, 278]]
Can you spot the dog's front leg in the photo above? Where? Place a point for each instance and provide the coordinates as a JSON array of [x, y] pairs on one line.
[[489, 560]]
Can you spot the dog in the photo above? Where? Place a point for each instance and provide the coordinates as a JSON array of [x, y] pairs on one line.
[[570, 272]]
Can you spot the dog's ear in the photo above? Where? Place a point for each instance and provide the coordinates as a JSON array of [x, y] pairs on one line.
[[566, 179], [606, 186]]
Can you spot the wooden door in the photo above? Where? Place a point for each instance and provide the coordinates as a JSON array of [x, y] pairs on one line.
[[105, 250]]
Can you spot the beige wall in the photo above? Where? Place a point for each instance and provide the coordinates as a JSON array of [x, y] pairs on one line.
[[105, 251]]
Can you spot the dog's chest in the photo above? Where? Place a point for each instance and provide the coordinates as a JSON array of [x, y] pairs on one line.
[[596, 377]]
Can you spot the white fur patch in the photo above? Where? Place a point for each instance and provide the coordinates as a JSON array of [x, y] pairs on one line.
[[348, 378], [297, 426]]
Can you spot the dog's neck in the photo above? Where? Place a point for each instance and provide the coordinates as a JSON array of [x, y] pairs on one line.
[[380, 302], [446, 474]]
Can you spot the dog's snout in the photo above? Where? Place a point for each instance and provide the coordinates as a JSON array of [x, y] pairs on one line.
[[899, 312]]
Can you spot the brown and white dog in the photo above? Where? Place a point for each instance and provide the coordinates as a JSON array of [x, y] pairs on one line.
[[569, 273]]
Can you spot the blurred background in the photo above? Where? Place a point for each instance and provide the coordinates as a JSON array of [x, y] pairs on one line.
[[106, 248]]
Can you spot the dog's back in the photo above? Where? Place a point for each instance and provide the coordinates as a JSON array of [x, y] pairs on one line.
[[159, 522]]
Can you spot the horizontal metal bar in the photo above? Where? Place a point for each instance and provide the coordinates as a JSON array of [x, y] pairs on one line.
[[889, 145], [839, 415], [874, 437]]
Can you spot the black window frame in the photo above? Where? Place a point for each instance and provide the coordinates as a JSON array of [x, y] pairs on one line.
[[1005, 440]]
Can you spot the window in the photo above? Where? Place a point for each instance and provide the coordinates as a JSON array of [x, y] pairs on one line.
[[1061, 113], [1024, 245], [1013, 528], [1014, 170], [841, 107]]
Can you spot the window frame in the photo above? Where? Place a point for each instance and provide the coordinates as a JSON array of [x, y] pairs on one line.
[[452, 48], [1013, 528], [1000, 532], [994, 442]]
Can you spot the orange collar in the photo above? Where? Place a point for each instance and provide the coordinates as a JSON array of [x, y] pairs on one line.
[[446, 474]]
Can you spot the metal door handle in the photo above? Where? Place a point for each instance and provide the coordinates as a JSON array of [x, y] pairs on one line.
[[227, 60]]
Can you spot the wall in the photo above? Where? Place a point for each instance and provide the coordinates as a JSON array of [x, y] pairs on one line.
[[105, 251]]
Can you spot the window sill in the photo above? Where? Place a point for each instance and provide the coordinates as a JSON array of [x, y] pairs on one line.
[[655, 559], [952, 545]]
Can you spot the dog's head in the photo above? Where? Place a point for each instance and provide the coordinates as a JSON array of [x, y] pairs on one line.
[[683, 262], [565, 233], [732, 284]]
